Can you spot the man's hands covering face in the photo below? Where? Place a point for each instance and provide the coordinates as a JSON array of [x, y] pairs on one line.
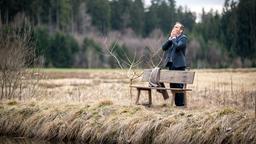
[[174, 32]]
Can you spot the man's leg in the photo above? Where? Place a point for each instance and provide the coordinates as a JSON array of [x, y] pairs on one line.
[[163, 92], [179, 97]]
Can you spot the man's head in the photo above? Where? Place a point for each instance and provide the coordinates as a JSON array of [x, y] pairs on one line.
[[177, 29]]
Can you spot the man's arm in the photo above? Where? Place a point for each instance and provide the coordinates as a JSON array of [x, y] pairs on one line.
[[166, 45], [181, 44]]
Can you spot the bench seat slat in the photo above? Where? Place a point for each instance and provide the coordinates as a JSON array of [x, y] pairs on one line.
[[161, 88]]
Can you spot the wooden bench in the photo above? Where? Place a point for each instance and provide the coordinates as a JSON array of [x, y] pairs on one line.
[[166, 76]]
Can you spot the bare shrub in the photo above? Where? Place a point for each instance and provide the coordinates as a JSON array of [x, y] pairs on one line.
[[16, 54], [237, 62], [192, 51]]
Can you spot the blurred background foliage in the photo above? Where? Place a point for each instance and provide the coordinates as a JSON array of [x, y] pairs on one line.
[[77, 33]]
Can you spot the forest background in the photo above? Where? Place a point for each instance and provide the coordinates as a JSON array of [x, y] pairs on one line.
[[80, 33]]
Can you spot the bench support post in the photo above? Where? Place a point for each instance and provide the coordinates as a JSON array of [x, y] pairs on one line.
[[185, 99], [138, 96], [149, 96], [173, 97]]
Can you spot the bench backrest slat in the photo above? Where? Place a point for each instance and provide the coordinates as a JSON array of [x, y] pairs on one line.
[[170, 76]]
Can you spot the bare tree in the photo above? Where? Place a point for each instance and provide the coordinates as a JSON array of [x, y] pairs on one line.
[[132, 63], [16, 54]]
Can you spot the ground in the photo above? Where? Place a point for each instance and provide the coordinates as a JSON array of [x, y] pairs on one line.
[[211, 88], [96, 106]]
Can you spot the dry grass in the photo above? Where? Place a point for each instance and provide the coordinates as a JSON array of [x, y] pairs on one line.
[[211, 88], [227, 87], [108, 123], [97, 108]]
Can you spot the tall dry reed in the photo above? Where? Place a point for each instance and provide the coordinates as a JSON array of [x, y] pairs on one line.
[[106, 122]]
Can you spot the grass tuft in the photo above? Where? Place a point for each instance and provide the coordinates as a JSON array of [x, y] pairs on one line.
[[226, 111], [104, 103], [12, 103]]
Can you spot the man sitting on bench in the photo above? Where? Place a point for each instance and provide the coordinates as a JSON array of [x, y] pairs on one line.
[[174, 58]]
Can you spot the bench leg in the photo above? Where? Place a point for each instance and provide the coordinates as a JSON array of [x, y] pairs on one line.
[[138, 96], [173, 98], [149, 97], [185, 99]]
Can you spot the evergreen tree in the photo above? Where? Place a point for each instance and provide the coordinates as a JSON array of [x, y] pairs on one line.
[[100, 13], [246, 15], [62, 49], [92, 54], [229, 26], [163, 12], [151, 19], [121, 14], [137, 16]]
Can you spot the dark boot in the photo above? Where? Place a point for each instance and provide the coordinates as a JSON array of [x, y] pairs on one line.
[[179, 99]]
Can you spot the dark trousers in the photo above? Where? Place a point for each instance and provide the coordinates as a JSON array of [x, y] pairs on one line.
[[179, 97]]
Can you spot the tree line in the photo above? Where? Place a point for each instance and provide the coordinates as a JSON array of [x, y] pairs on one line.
[[75, 33]]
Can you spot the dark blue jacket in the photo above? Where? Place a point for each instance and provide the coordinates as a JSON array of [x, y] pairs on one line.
[[175, 51]]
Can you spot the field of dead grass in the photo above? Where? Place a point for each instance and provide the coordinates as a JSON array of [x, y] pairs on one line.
[[211, 88], [104, 122], [95, 106]]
